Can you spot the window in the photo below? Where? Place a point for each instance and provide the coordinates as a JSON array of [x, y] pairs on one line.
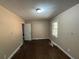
[[55, 29]]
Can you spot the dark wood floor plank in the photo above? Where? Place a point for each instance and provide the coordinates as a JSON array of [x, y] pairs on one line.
[[39, 49]]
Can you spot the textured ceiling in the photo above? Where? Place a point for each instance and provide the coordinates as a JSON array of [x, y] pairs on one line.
[[26, 8]]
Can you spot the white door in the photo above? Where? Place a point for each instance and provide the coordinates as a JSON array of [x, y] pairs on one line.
[[27, 31]]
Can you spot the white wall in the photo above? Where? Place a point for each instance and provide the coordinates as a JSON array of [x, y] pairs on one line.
[[40, 29], [68, 31], [10, 32]]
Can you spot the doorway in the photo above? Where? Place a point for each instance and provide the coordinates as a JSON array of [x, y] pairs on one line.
[[27, 32]]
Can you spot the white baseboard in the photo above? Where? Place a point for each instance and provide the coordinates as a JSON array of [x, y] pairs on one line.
[[39, 38], [15, 51], [53, 43], [28, 40]]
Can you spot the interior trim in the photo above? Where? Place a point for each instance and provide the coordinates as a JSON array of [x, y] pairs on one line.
[[39, 38], [53, 43], [15, 51]]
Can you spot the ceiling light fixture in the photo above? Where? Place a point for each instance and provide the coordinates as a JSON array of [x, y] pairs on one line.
[[38, 10]]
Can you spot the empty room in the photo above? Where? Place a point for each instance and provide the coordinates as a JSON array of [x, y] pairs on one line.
[[39, 29]]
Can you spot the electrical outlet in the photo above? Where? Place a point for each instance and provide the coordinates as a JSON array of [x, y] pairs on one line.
[[5, 57]]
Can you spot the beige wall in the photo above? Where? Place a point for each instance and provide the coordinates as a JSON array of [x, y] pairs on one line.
[[68, 31], [40, 29], [10, 32]]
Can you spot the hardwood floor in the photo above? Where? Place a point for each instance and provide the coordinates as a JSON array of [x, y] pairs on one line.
[[39, 49]]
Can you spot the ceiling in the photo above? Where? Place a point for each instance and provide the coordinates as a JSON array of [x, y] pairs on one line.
[[27, 8]]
